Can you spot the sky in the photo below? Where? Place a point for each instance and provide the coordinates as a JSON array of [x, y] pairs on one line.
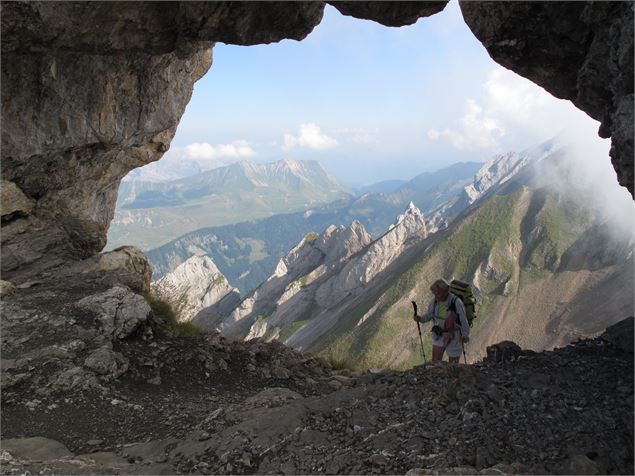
[[371, 102]]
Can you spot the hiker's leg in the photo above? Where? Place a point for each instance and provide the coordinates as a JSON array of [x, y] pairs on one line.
[[453, 349], [437, 352]]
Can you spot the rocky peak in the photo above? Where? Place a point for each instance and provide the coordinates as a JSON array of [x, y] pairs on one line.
[[193, 285], [335, 244], [411, 217], [495, 171], [339, 242], [300, 256]]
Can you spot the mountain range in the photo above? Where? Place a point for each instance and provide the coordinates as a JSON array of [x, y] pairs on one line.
[[149, 214], [317, 274], [546, 268], [247, 252], [540, 259]]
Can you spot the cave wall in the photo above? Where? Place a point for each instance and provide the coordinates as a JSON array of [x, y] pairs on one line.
[[580, 51], [91, 90]]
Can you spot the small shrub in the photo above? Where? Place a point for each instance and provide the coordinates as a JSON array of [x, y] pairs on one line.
[[164, 311], [311, 238], [341, 362]]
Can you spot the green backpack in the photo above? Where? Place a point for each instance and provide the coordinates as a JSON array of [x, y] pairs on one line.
[[464, 291]]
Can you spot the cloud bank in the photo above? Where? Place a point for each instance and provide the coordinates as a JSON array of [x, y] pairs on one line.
[[194, 158], [522, 106], [309, 136]]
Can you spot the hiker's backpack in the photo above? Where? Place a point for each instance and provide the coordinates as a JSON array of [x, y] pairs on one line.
[[464, 291]]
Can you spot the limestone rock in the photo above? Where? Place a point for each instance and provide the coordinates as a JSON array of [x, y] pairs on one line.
[[119, 310], [35, 448], [409, 228], [306, 263], [621, 334], [578, 51], [193, 285], [494, 172], [503, 351], [390, 13], [309, 290], [581, 464], [126, 264], [13, 201], [106, 363], [6, 287], [74, 378]]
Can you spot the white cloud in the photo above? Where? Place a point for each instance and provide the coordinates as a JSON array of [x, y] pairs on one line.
[[359, 135], [527, 111], [309, 136], [203, 150], [513, 95], [179, 162], [477, 129]]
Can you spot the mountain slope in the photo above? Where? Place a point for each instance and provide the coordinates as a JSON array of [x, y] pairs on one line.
[[298, 302], [314, 257], [247, 252], [531, 255], [152, 213], [195, 284]]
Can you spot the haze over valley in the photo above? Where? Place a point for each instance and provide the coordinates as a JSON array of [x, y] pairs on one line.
[[217, 216], [337, 279]]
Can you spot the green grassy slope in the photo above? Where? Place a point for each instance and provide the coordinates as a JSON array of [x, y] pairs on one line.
[[509, 241]]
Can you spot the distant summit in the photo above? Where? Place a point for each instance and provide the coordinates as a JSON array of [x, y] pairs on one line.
[[304, 296], [149, 214], [195, 284]]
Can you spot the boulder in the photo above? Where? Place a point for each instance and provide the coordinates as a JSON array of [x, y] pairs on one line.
[[6, 288], [582, 464], [126, 265], [119, 310], [36, 448], [106, 363], [621, 334], [505, 351], [13, 201]]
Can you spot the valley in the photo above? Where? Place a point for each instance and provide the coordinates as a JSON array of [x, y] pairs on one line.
[[536, 256]]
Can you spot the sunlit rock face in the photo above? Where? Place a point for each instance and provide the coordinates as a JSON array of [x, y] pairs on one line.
[[390, 13], [93, 90], [195, 284], [581, 51]]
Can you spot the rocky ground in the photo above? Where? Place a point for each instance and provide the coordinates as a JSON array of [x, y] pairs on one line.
[[93, 382]]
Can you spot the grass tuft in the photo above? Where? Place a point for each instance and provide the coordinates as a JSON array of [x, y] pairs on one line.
[[163, 310], [341, 362], [311, 238]]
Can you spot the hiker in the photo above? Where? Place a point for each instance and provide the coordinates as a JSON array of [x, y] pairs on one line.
[[451, 326]]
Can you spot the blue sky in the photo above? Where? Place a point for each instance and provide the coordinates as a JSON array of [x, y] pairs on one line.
[[370, 102]]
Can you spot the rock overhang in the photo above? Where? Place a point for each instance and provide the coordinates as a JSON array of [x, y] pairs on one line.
[[92, 90]]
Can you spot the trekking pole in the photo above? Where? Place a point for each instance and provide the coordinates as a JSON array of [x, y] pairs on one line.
[[462, 345], [423, 352]]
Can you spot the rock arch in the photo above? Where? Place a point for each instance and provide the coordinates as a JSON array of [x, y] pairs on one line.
[[92, 90]]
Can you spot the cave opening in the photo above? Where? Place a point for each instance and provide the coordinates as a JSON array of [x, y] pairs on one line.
[[100, 374], [386, 112]]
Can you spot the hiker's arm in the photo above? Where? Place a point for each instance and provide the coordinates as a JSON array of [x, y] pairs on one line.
[[428, 316], [463, 323], [425, 318]]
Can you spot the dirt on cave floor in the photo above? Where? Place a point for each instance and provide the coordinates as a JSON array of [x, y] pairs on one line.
[[159, 403]]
